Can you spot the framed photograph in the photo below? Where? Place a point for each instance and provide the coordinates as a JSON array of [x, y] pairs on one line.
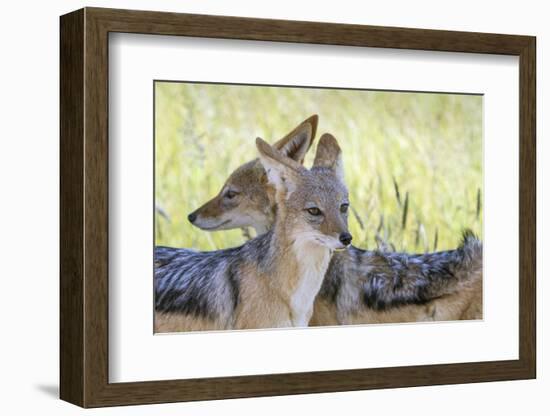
[[255, 207]]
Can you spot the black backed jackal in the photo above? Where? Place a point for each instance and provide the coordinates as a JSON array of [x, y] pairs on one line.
[[273, 279], [360, 286]]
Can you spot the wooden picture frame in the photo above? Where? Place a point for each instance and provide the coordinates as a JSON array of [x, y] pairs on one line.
[[84, 207]]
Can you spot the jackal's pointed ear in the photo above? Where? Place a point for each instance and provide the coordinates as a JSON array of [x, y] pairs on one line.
[[281, 171], [329, 155], [296, 143]]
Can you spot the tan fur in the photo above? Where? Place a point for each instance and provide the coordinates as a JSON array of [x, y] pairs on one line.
[[465, 304], [177, 322], [272, 305]]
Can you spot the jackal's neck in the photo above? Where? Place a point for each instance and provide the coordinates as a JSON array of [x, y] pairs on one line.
[[298, 265]]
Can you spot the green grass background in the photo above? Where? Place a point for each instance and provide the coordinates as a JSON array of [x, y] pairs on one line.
[[413, 161]]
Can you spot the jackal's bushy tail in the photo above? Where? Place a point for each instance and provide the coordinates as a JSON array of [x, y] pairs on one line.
[[470, 256], [394, 279]]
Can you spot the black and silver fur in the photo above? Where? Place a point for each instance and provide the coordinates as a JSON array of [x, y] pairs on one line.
[[384, 280], [206, 284]]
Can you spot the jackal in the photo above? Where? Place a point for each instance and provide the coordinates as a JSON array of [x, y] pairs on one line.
[[273, 279], [246, 198], [360, 286]]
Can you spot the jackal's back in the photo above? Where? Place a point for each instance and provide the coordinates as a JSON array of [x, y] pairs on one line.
[[204, 284], [376, 284]]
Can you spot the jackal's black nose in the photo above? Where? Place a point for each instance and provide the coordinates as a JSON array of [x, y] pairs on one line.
[[345, 238], [192, 217]]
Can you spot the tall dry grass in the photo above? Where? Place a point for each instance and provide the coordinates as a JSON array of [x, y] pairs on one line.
[[413, 161]]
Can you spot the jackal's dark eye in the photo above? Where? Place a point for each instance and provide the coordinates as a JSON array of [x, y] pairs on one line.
[[314, 211], [230, 194], [344, 208]]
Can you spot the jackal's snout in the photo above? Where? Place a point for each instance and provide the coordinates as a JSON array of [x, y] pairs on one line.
[[345, 238], [192, 217]]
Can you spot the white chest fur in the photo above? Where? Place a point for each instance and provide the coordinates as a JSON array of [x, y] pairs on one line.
[[313, 261]]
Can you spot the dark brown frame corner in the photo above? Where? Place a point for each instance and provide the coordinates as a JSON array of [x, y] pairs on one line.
[[84, 207]]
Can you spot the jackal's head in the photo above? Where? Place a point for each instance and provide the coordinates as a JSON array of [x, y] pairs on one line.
[[312, 205], [244, 200]]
